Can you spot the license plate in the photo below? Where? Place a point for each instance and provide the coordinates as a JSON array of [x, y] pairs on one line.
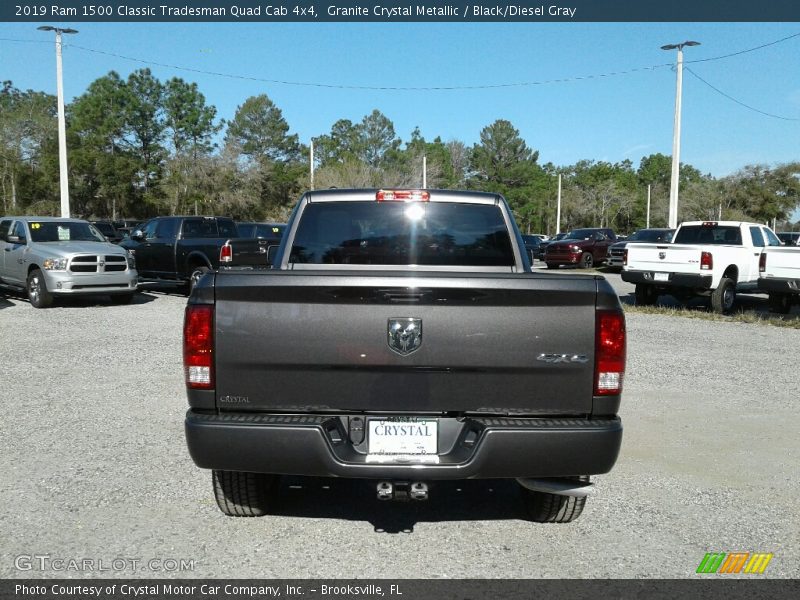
[[661, 276], [403, 438]]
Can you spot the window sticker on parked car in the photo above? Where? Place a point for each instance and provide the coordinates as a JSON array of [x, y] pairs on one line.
[[35, 225], [63, 234]]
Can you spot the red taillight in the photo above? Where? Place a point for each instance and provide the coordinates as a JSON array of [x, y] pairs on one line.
[[762, 262], [625, 257], [609, 353], [402, 196], [226, 253], [706, 261], [198, 346]]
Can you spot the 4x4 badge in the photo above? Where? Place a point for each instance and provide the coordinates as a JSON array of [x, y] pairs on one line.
[[405, 335]]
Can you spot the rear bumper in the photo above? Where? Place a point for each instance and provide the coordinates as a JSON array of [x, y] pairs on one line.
[[482, 448], [779, 285], [687, 280]]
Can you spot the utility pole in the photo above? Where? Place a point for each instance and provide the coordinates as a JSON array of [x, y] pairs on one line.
[[558, 206], [311, 161], [62, 128], [676, 134], [648, 207], [424, 172]]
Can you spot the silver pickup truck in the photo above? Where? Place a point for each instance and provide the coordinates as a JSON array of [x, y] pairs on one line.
[[401, 336], [50, 257]]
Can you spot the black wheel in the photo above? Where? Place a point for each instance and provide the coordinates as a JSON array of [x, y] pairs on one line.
[[780, 303], [724, 296], [121, 298], [587, 260], [553, 508], [197, 274], [38, 294], [552, 266], [241, 494], [646, 295]]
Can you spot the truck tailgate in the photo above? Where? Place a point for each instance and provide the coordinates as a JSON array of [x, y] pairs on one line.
[[668, 258], [319, 341], [783, 263]]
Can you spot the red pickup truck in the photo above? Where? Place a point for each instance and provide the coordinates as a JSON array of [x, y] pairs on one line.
[[582, 247]]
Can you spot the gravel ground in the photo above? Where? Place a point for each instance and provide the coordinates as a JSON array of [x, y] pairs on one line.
[[95, 466]]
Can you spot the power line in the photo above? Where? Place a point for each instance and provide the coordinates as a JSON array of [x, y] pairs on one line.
[[409, 88], [729, 97], [788, 37], [370, 87]]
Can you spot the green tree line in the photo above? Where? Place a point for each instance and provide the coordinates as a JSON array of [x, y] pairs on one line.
[[140, 147]]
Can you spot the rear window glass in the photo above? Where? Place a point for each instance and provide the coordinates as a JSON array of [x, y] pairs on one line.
[[709, 234], [270, 231], [246, 230], [399, 233], [650, 235]]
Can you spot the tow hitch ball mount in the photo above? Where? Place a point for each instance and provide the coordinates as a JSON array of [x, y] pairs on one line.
[[402, 491]]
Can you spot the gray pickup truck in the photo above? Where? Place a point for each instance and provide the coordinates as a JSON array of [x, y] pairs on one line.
[[401, 337], [51, 257]]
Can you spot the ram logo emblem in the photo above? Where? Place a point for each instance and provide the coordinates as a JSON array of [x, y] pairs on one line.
[[662, 255], [405, 335]]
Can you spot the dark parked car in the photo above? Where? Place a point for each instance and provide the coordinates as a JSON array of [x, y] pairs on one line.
[[108, 230], [543, 245], [532, 243], [581, 247], [653, 236], [789, 238]]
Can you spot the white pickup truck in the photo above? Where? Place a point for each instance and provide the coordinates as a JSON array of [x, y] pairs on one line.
[[716, 258], [780, 277]]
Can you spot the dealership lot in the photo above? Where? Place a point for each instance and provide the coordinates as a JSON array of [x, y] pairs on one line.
[[95, 466]]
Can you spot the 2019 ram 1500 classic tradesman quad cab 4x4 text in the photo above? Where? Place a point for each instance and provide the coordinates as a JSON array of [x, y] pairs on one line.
[[53, 257], [716, 258], [401, 337]]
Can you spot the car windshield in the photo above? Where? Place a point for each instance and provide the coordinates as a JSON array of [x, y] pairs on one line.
[[650, 235], [399, 233], [64, 231], [105, 228], [579, 234]]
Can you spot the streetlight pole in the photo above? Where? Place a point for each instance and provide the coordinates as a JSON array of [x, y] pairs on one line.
[[62, 128], [676, 135]]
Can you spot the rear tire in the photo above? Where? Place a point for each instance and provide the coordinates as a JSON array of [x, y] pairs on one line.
[[240, 494], [723, 298], [587, 260], [552, 266], [780, 303], [646, 295], [38, 294], [553, 508]]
